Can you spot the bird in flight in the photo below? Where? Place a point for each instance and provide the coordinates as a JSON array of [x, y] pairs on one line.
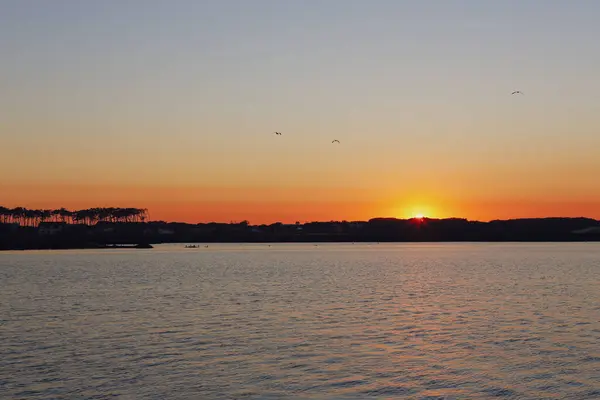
[[333, 141], [517, 92], [278, 133]]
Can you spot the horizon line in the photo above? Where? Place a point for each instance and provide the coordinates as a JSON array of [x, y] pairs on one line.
[[373, 219]]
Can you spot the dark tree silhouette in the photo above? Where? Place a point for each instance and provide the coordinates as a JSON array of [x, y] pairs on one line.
[[28, 217]]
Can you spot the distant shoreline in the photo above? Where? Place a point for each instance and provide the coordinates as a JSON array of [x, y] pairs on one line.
[[183, 244], [104, 234], [89, 247]]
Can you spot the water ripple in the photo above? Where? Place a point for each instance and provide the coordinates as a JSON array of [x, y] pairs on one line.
[[469, 321]]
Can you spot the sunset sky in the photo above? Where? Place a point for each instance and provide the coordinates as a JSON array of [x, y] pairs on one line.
[[171, 105]]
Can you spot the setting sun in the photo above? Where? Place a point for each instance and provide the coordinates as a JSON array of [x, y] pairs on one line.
[[419, 211]]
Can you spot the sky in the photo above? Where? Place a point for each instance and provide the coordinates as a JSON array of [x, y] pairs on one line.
[[171, 105]]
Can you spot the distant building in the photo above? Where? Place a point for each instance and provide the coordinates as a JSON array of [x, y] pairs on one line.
[[164, 231], [593, 230], [292, 226], [357, 225], [51, 228], [104, 227]]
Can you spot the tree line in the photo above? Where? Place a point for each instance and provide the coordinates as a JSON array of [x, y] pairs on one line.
[[89, 216]]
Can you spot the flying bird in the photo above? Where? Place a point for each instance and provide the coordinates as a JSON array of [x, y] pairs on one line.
[[278, 133], [333, 141], [517, 92]]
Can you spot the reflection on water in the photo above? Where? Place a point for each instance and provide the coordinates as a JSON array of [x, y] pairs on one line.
[[476, 321]]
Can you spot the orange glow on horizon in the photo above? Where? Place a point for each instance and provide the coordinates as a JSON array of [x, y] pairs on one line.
[[266, 205]]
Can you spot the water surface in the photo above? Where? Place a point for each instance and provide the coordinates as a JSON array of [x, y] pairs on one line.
[[415, 321]]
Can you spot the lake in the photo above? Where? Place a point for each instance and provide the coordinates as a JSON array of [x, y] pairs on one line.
[[414, 321]]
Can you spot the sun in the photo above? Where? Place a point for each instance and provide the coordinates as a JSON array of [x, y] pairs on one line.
[[417, 211], [420, 213]]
